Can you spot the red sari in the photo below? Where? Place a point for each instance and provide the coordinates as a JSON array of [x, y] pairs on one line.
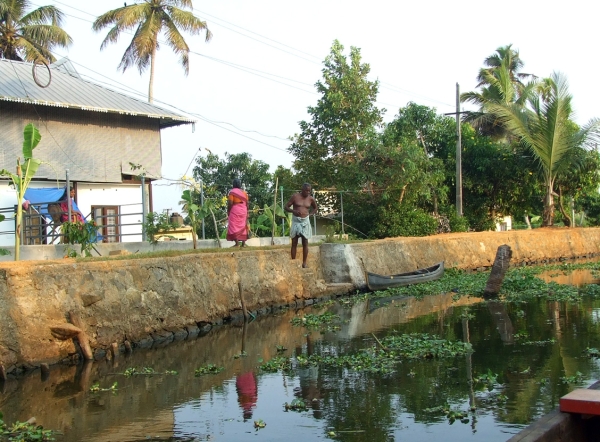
[[238, 215]]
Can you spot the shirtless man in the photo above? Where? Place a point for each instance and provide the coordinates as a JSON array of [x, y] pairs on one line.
[[301, 205]]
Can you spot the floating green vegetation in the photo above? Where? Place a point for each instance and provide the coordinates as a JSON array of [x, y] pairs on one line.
[[296, 405], [591, 352], [520, 335], [520, 284], [424, 346], [208, 369], [592, 290], [277, 363], [240, 355], [574, 379], [96, 388], [488, 379], [539, 343], [258, 424], [451, 414], [523, 286], [146, 371], [383, 360], [327, 320], [457, 281], [24, 432], [281, 348]]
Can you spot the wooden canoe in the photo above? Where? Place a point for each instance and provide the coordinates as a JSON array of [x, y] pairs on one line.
[[381, 282]]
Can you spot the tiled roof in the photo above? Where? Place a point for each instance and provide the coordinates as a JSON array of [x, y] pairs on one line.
[[70, 91]]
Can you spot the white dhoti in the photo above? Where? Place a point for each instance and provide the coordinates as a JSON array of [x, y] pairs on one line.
[[301, 227]]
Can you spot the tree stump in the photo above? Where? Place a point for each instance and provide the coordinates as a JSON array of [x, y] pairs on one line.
[[501, 264]]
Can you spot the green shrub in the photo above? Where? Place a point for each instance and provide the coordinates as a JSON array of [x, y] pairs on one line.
[[392, 222]]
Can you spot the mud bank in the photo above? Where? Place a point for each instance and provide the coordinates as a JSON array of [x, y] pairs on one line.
[[141, 301]]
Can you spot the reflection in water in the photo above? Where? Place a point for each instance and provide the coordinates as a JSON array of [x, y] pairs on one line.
[[247, 390], [527, 376]]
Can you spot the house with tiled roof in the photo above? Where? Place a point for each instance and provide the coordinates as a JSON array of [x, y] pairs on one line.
[[99, 139]]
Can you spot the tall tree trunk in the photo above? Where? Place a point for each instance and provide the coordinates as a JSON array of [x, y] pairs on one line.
[[527, 221], [567, 219], [548, 215], [151, 83]]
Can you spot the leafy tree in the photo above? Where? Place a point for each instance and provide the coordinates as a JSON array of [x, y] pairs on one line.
[[501, 83], [30, 36], [545, 127], [579, 181], [217, 175], [330, 148], [151, 19]]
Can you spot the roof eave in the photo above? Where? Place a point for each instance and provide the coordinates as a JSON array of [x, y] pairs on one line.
[[166, 120]]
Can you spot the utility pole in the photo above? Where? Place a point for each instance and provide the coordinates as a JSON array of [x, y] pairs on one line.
[[459, 205], [459, 210]]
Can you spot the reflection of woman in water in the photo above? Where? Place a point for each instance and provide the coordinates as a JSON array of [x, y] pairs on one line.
[[247, 390]]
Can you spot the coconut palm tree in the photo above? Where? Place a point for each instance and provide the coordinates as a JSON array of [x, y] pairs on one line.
[[501, 83], [150, 18], [30, 36], [546, 128]]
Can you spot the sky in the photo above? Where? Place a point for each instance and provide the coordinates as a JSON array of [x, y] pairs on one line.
[[250, 86]]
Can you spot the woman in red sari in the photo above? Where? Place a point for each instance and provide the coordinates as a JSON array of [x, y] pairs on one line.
[[237, 215]]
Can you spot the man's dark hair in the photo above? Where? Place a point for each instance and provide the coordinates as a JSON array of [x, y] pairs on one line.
[[306, 186]]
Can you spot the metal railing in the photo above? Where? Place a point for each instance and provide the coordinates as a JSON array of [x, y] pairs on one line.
[[41, 227]]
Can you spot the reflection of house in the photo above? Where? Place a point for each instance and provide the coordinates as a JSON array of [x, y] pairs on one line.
[[96, 134]]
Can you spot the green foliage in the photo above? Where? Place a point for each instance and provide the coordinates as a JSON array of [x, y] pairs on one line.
[[297, 404], [146, 371], [330, 147], [24, 175], [398, 221], [84, 234], [152, 21], [208, 369], [545, 127], [326, 321], [31, 35], [261, 221], [96, 388], [424, 346], [216, 176], [157, 225], [24, 432], [457, 223]]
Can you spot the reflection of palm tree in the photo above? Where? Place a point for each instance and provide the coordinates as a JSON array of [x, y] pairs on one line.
[[30, 36], [150, 18]]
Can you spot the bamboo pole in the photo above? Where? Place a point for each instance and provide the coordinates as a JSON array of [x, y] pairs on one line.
[[274, 207]]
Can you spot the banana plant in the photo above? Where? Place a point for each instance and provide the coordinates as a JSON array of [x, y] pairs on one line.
[[263, 224], [24, 174], [191, 208]]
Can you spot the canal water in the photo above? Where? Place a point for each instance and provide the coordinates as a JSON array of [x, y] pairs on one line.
[[224, 385]]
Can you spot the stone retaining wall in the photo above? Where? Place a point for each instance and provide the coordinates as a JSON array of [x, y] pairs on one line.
[[141, 300]]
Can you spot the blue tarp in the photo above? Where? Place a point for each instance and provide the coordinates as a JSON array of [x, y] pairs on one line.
[[45, 196]]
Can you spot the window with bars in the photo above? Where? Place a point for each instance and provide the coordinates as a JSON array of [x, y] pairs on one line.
[[107, 219]]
